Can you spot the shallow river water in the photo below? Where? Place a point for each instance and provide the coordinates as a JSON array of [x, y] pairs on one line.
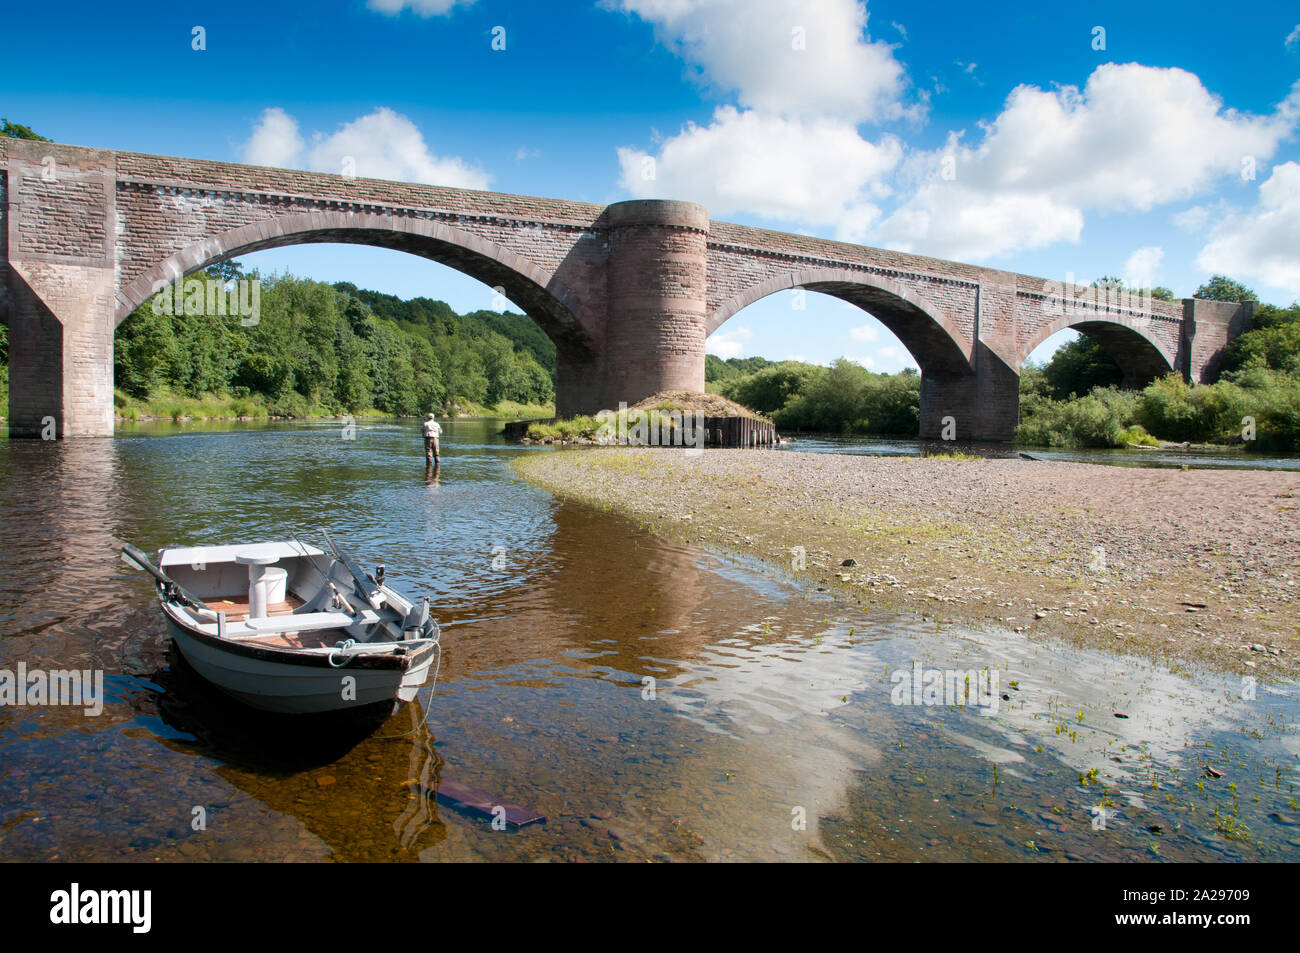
[[652, 700]]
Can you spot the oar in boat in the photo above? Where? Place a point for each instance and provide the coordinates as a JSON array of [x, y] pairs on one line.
[[368, 588], [172, 589]]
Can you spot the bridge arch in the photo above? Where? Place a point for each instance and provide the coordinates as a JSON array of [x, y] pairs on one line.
[[557, 309], [1127, 339], [932, 337]]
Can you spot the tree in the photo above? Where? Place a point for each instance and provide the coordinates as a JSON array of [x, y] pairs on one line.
[[1222, 288], [1110, 282], [1079, 366], [225, 270], [16, 130]]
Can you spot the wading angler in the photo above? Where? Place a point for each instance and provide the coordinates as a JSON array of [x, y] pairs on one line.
[[204, 296]]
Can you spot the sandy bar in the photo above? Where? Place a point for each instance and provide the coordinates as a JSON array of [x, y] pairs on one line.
[[1181, 566]]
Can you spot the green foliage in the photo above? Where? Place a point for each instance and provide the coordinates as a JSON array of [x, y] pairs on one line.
[[16, 130], [1221, 288], [716, 369], [1171, 409], [1096, 420], [585, 427], [844, 398], [1178, 411], [320, 348], [771, 388], [1158, 292], [1273, 342], [1137, 434], [1079, 366], [848, 398]]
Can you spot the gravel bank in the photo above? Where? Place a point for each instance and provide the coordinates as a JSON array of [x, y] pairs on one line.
[[1199, 566]]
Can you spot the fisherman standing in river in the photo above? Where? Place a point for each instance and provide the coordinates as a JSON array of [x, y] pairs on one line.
[[432, 431]]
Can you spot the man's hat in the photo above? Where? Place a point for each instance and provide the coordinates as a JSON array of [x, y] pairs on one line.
[[432, 415]]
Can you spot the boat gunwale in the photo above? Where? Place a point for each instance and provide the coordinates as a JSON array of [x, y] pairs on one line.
[[359, 660]]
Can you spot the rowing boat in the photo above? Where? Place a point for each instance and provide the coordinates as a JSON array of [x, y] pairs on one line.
[[286, 627]]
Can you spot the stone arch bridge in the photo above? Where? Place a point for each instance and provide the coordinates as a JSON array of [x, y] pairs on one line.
[[629, 292]]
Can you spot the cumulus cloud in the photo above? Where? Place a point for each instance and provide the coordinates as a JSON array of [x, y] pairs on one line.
[[729, 343], [818, 171], [1262, 243], [783, 56], [866, 332], [423, 8], [1142, 266], [1133, 138], [275, 140], [1293, 38], [381, 145], [804, 75]]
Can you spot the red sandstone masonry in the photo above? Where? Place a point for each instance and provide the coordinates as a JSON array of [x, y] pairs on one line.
[[629, 292]]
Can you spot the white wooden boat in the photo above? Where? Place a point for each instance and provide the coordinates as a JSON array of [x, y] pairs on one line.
[[285, 627]]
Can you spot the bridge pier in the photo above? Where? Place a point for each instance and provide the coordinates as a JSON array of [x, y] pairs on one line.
[[656, 288], [60, 352], [983, 406]]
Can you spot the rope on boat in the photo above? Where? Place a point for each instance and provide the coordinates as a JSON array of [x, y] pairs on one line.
[[433, 690], [343, 646]]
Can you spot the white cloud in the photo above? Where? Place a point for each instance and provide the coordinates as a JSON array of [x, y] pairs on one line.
[[895, 358], [783, 56], [1142, 266], [1263, 242], [423, 8], [818, 171], [381, 145], [275, 140], [1192, 219], [866, 361], [1134, 137], [868, 332], [1293, 38], [728, 344]]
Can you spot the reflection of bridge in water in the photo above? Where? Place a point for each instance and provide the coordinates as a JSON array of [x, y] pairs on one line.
[[628, 292]]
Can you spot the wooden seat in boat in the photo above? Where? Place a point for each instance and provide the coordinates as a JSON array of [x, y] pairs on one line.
[[236, 607]]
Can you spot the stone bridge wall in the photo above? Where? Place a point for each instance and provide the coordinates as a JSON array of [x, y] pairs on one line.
[[629, 292]]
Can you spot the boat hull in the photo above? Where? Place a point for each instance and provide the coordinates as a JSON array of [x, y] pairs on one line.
[[302, 684]]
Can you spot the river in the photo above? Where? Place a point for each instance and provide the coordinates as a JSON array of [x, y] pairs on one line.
[[652, 700]]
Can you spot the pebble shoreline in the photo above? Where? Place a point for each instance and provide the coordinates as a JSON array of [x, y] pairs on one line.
[[1194, 567]]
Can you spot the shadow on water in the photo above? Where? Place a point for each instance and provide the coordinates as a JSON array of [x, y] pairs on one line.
[[317, 769]]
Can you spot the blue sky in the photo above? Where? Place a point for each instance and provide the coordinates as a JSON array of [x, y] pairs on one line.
[[1167, 155]]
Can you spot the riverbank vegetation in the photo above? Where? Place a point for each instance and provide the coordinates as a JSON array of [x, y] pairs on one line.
[[320, 349], [1077, 399]]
